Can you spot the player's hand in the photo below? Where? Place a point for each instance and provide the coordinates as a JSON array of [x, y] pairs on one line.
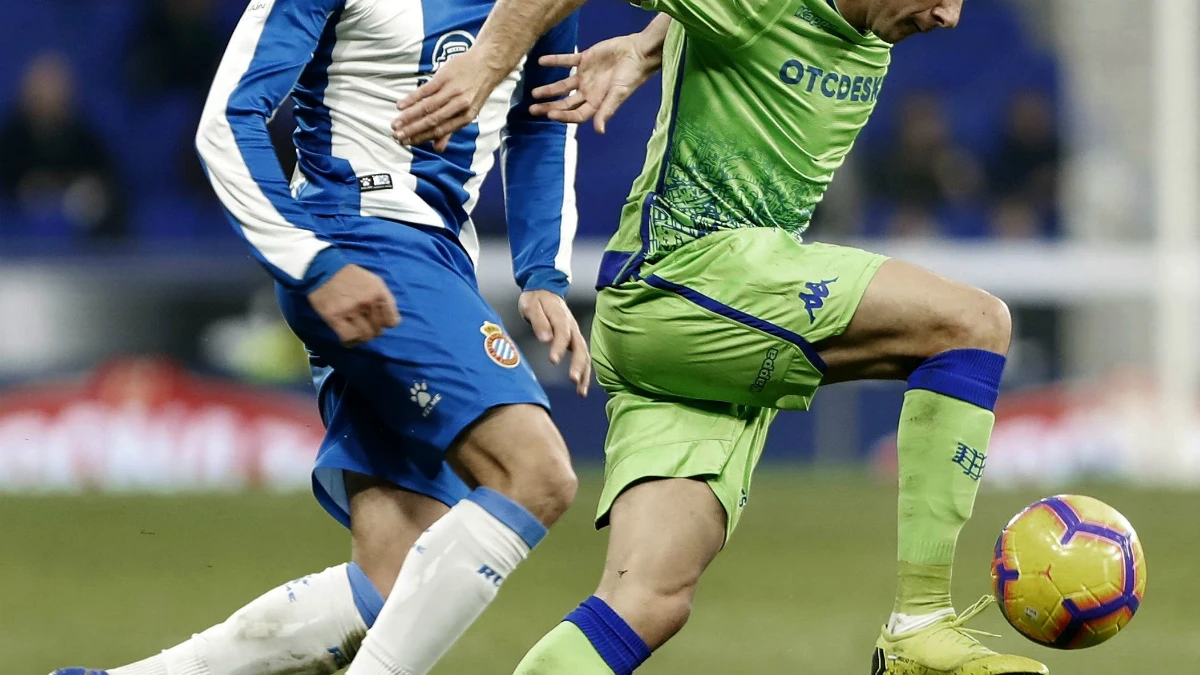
[[554, 324], [356, 304], [446, 103], [607, 74]]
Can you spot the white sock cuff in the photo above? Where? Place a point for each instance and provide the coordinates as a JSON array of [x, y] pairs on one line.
[[507, 547]]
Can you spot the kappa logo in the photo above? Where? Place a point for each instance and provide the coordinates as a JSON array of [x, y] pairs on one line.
[[419, 394], [499, 347], [765, 371], [450, 45], [814, 299]]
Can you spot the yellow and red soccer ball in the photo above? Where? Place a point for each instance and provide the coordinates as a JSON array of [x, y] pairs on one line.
[[1069, 572]]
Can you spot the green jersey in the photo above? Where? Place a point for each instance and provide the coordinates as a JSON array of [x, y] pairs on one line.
[[762, 101]]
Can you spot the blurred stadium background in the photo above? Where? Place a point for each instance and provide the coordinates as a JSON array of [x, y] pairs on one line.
[[156, 430]]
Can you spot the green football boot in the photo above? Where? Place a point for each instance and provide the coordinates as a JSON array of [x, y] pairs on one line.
[[947, 648]]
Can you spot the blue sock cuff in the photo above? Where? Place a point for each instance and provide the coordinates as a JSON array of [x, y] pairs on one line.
[[620, 647], [366, 597], [970, 375], [511, 514]]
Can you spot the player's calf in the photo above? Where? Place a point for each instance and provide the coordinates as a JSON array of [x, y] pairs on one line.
[[665, 533]]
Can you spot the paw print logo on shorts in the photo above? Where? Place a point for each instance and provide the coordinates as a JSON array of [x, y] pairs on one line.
[[421, 396]]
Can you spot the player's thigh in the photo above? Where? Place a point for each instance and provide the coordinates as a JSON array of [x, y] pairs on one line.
[[907, 315], [385, 521], [518, 451], [651, 437], [732, 317], [664, 534]]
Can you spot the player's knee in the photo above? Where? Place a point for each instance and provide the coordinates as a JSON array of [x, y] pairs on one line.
[[983, 322], [519, 453], [550, 488]]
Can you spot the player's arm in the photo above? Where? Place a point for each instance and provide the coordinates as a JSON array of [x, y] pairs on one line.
[[602, 77], [454, 96], [271, 46], [538, 158]]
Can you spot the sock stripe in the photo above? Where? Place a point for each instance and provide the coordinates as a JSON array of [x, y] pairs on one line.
[[512, 514], [969, 375], [618, 644], [366, 597]]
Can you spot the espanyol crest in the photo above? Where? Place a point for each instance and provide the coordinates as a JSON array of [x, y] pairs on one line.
[[450, 45], [499, 347]]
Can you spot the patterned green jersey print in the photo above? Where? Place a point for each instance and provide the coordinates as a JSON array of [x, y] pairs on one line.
[[754, 122]]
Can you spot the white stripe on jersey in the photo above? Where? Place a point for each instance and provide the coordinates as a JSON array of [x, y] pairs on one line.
[[570, 214], [280, 243]]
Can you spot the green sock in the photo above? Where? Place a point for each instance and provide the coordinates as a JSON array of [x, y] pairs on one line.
[[942, 445], [563, 651]]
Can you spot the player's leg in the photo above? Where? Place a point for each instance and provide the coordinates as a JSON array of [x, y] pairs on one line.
[[747, 286], [309, 626], [316, 624], [519, 462], [677, 476], [454, 387], [950, 341], [664, 535]]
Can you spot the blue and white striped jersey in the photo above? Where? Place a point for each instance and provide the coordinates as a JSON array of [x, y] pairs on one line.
[[346, 63]]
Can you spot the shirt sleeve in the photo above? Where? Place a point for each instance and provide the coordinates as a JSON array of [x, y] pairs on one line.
[[538, 158], [271, 46], [733, 23]]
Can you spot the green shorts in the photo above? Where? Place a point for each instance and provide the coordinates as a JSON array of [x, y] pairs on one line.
[[699, 353]]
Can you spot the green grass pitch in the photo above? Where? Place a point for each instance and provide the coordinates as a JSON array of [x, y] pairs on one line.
[[803, 587]]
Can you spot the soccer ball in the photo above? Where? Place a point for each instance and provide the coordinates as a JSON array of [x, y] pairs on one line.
[[1069, 572]]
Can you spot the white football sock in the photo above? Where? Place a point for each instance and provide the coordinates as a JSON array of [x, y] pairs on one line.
[[450, 576], [899, 623], [311, 626]]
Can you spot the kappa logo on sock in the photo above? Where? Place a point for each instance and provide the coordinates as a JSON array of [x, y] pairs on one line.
[[491, 575], [971, 460], [814, 299]]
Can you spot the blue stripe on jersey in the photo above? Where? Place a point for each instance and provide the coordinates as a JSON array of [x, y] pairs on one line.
[[332, 186], [441, 177], [535, 179]]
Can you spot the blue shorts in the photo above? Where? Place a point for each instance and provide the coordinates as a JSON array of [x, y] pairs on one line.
[[394, 406]]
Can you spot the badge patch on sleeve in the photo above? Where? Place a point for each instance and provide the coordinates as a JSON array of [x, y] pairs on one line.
[[378, 181], [499, 347]]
